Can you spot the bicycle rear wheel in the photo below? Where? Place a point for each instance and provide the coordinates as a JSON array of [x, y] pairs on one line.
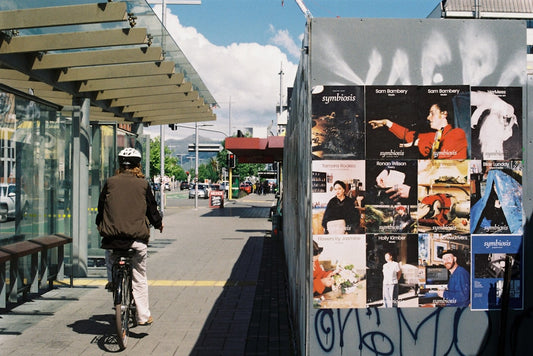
[[123, 310]]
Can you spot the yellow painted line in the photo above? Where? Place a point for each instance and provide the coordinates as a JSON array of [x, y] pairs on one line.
[[89, 282], [205, 283]]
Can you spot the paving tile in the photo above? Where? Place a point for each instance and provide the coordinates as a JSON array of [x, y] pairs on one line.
[[246, 315]]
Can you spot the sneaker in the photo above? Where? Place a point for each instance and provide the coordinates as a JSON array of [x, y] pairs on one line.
[[147, 322], [109, 286]]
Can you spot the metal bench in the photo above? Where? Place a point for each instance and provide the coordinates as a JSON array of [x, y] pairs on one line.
[[13, 252], [4, 257], [49, 242]]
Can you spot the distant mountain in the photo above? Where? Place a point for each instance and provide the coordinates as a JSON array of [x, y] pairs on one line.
[[180, 148]]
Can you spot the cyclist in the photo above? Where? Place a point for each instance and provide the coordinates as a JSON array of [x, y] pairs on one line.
[[126, 208]]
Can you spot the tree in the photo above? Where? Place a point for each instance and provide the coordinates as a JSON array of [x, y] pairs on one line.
[[222, 157], [248, 169], [155, 157], [172, 167]]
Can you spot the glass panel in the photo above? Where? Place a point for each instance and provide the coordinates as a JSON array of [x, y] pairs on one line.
[[102, 165], [35, 173], [34, 170], [107, 141]]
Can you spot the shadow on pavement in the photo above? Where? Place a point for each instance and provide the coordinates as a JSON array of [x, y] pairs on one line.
[[240, 211], [251, 317], [103, 327], [225, 329]]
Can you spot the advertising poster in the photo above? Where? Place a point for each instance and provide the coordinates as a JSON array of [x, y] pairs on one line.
[[410, 122], [338, 190], [496, 123], [488, 264], [338, 130], [339, 271], [496, 197], [385, 106], [392, 270], [444, 270], [414, 191], [447, 113], [444, 196], [391, 196]]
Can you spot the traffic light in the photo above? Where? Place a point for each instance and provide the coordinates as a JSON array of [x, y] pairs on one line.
[[231, 160]]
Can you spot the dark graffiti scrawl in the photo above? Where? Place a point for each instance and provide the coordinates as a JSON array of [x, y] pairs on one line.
[[395, 332]]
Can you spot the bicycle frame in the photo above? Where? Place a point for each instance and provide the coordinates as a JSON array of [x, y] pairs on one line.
[[122, 294], [121, 266]]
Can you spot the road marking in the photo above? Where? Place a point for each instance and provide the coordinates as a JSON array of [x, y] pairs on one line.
[[88, 282]]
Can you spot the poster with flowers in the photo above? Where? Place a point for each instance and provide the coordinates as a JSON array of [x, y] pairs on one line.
[[339, 271]]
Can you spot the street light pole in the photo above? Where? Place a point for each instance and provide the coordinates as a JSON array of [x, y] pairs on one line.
[[162, 127], [162, 136], [162, 174], [196, 165]]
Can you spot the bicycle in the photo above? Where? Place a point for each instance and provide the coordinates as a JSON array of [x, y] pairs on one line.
[[123, 295]]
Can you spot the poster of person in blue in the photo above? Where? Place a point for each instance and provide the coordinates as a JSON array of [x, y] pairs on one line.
[[444, 266], [457, 292], [490, 254], [496, 197]]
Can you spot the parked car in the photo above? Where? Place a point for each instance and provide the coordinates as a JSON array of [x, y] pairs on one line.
[[8, 196], [184, 185], [167, 186], [203, 192], [246, 186]]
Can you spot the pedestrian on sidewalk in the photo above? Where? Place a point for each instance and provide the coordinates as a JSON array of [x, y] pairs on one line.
[[126, 208]]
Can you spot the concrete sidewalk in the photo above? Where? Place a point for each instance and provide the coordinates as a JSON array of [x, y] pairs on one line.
[[217, 287]]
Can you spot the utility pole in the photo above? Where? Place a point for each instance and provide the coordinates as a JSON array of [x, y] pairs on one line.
[[280, 96], [196, 165], [229, 115]]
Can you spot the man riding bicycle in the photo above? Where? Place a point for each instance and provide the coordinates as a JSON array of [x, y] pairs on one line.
[[126, 208]]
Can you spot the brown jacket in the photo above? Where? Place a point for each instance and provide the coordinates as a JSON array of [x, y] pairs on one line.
[[126, 208]]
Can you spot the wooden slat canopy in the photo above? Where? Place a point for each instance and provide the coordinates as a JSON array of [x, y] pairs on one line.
[[117, 54]]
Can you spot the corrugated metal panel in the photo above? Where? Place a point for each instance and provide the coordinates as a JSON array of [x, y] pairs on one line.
[[506, 6]]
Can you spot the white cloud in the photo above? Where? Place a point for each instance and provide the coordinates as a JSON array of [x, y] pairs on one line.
[[248, 73], [283, 39]]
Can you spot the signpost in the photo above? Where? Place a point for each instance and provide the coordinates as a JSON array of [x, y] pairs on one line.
[[216, 199]]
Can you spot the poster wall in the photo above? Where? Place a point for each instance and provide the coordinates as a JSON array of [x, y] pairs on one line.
[[409, 185]]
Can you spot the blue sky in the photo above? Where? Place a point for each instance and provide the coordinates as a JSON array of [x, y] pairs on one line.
[[227, 21], [239, 46]]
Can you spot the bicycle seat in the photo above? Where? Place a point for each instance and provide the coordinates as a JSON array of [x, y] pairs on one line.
[[124, 252]]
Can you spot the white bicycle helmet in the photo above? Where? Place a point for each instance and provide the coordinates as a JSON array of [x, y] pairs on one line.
[[129, 157]]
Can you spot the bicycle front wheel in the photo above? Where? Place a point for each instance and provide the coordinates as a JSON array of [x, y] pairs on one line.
[[123, 311]]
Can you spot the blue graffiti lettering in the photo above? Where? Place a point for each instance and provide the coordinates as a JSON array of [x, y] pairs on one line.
[[329, 326]]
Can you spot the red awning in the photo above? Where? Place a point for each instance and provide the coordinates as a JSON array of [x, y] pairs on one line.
[[256, 150]]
